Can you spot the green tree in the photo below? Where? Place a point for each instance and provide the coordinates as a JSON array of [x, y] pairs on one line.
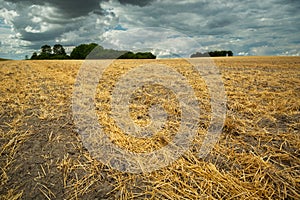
[[199, 54], [46, 52], [220, 53], [212, 54], [82, 51], [138, 55], [46, 49], [128, 55], [58, 49], [34, 56], [88, 51]]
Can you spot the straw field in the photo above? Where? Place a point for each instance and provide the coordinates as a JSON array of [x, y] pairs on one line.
[[256, 157]]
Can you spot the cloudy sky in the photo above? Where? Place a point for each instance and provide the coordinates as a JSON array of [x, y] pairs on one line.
[[249, 27]]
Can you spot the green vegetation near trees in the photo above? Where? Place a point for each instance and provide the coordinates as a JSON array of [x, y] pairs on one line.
[[212, 54], [57, 52], [88, 51]]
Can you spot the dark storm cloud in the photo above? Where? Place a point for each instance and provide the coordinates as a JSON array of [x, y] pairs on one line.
[[41, 21], [77, 8], [250, 27], [254, 27], [136, 2], [69, 8], [221, 22], [62, 16], [293, 6]]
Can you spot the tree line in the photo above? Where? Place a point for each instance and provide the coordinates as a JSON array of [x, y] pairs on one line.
[[87, 51], [57, 52], [212, 54]]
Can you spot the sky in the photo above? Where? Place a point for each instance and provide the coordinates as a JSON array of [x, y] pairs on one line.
[[164, 27]]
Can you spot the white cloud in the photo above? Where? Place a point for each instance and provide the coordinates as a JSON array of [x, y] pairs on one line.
[[8, 15], [162, 42], [252, 27], [293, 52], [243, 54], [29, 29]]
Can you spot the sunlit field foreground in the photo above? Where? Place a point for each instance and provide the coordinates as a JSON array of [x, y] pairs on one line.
[[256, 157]]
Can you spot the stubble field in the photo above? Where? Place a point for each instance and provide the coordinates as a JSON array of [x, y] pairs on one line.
[[256, 157]]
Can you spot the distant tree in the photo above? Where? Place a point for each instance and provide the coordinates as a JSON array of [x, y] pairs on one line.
[[199, 54], [139, 55], [34, 56], [88, 51], [46, 49], [26, 57], [127, 55], [220, 53], [59, 52], [100, 53], [58, 49], [145, 55], [212, 54], [46, 52], [82, 51]]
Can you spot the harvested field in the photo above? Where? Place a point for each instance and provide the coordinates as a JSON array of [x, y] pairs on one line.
[[256, 157]]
